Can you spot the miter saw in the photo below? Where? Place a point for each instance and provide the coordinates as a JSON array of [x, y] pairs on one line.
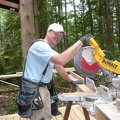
[[91, 61]]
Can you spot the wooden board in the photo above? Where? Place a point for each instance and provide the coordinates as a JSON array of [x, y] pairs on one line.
[[76, 113], [100, 116], [75, 76], [107, 111], [19, 74], [10, 4], [85, 89]]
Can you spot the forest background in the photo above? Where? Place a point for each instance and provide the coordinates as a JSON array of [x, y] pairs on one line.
[[100, 18]]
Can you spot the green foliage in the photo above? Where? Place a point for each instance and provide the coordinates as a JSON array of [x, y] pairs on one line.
[[78, 19], [11, 104], [11, 109], [10, 50], [63, 83], [60, 84], [99, 80]]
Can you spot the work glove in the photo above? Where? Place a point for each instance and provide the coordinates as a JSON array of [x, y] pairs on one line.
[[88, 36], [74, 83], [85, 39]]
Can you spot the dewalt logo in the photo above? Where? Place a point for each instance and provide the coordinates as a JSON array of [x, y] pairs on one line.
[[109, 63]]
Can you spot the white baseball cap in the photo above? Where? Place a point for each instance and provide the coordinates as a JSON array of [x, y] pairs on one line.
[[56, 27]]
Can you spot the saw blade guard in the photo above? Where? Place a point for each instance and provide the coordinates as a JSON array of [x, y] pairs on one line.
[[85, 64]]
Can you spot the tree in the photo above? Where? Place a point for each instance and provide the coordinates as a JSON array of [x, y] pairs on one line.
[[118, 21], [109, 42], [27, 25], [98, 17], [90, 16]]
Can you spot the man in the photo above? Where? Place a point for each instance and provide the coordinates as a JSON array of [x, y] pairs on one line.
[[41, 53]]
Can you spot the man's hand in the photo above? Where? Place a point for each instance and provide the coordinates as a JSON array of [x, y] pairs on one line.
[[85, 39], [74, 83], [88, 36]]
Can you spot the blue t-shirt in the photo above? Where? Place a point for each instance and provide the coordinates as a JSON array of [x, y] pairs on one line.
[[38, 56]]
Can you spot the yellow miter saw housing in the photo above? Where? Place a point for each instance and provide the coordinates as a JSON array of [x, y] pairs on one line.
[[90, 61], [99, 56]]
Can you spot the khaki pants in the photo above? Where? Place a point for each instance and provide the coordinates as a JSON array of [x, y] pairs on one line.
[[46, 111]]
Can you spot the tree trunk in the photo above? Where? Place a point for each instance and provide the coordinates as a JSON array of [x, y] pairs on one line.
[[118, 21], [27, 25], [100, 25], [75, 20], [91, 19], [66, 25], [37, 26], [109, 41]]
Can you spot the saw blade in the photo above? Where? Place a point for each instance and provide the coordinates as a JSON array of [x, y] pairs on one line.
[[85, 64]]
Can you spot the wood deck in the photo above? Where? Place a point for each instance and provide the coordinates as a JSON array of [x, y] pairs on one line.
[[76, 113]]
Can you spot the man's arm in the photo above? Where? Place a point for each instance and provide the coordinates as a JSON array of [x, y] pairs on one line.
[[60, 69], [67, 55]]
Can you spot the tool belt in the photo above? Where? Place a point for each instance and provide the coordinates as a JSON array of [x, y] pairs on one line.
[[40, 84], [29, 98]]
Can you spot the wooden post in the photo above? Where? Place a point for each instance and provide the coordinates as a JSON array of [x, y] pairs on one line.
[[87, 117], [27, 25]]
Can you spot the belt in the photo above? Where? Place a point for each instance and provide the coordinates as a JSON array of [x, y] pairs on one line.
[[41, 84]]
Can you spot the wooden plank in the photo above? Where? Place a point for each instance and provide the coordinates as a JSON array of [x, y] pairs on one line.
[[17, 117], [23, 118], [62, 110], [19, 74], [81, 110], [76, 79], [66, 69], [13, 115], [73, 78], [78, 112], [10, 118], [92, 117], [10, 76], [9, 4], [3, 119], [75, 114], [76, 76], [53, 118], [59, 117], [100, 116], [108, 111], [85, 89]]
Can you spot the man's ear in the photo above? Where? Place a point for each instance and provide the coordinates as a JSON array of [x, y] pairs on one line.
[[48, 32]]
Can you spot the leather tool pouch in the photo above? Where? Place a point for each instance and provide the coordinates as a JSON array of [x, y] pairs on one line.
[[28, 99]]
